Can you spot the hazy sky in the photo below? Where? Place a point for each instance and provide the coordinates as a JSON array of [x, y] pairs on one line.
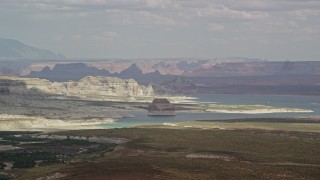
[[267, 29]]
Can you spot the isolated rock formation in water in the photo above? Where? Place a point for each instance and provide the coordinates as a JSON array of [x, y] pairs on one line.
[[161, 107]]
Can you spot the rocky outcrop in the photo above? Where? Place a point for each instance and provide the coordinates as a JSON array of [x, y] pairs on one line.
[[107, 86], [93, 87], [132, 71], [161, 107]]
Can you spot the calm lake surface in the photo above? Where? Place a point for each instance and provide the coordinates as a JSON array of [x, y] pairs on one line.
[[283, 101]]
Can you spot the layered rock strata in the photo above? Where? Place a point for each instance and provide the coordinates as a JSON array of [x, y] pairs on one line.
[[89, 86]]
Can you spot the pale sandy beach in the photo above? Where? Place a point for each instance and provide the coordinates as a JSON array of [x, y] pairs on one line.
[[27, 123]]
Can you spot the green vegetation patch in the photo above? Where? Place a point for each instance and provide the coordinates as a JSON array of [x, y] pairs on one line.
[[27, 151], [64, 142]]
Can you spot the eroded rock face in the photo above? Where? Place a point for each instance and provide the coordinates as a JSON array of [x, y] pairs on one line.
[[107, 86], [87, 87]]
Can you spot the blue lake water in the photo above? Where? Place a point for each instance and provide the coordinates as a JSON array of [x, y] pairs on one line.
[[283, 101]]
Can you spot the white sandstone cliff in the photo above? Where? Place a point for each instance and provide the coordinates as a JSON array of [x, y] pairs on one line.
[[88, 86]]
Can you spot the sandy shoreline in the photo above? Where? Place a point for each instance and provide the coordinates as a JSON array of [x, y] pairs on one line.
[[76, 115], [262, 111], [27, 123]]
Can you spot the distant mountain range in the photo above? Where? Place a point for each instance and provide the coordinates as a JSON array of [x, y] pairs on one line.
[[256, 69], [13, 49], [301, 78], [77, 71], [67, 72]]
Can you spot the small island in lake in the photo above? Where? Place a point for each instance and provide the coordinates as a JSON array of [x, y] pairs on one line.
[[161, 107]]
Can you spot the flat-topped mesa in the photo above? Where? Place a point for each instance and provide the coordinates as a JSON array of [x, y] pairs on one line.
[[161, 107]]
